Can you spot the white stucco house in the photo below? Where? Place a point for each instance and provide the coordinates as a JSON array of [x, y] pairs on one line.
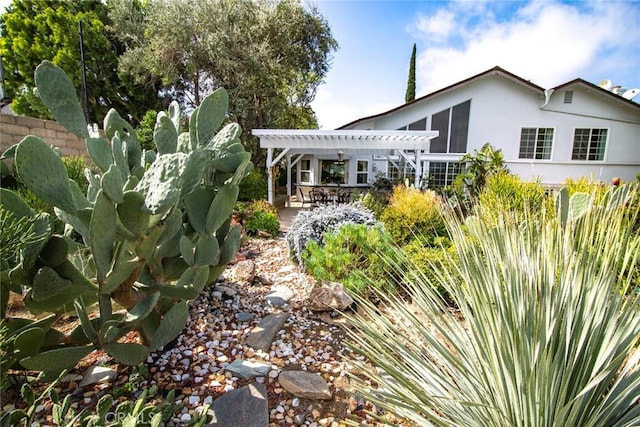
[[573, 130]]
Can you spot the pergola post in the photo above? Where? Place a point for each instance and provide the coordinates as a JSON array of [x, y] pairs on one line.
[[270, 197], [288, 179], [418, 168]]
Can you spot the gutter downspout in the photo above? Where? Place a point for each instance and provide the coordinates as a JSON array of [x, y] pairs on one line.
[[547, 97]]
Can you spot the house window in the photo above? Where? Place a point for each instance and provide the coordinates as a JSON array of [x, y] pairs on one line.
[[400, 172], [362, 173], [305, 171], [442, 174], [333, 172], [589, 144], [536, 143], [419, 125], [568, 96], [453, 127]]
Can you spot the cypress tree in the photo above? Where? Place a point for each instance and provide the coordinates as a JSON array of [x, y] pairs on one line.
[[411, 83]]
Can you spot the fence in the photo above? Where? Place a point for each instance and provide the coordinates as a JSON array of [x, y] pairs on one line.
[[14, 128]]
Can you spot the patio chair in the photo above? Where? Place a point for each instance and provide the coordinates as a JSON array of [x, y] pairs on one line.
[[305, 198], [344, 196], [318, 197]]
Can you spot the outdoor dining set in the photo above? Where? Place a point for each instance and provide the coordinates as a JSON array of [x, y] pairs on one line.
[[317, 196]]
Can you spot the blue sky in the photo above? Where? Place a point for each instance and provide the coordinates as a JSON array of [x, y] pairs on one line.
[[546, 42]]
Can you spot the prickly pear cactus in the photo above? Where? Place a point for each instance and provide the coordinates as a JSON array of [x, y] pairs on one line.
[[155, 229]]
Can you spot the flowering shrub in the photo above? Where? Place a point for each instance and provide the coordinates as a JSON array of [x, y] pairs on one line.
[[313, 224]]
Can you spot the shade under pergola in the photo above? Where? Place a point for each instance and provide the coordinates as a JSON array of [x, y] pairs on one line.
[[295, 143]]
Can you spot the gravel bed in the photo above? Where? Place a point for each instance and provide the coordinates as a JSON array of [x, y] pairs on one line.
[[220, 320]]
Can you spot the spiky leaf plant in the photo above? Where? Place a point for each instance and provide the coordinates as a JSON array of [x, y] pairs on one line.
[[155, 229], [546, 333]]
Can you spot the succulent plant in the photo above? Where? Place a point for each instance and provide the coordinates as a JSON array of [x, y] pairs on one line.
[[155, 228]]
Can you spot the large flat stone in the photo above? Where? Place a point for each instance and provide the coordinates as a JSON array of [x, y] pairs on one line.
[[305, 384], [247, 369], [98, 374], [245, 407], [261, 337], [279, 295]]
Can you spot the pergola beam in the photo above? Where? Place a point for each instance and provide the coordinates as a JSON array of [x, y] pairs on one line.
[[299, 142]]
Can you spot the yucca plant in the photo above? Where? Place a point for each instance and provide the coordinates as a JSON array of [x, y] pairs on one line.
[[545, 332]]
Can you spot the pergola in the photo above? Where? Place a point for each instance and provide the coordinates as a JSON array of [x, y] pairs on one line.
[[294, 144]]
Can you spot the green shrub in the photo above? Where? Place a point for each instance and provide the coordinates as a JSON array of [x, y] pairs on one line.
[[313, 224], [546, 333], [258, 216], [412, 212], [144, 132], [376, 201], [507, 192], [253, 187], [266, 222], [585, 185], [429, 257], [352, 256]]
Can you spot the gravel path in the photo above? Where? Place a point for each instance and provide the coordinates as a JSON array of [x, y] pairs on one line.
[[220, 322], [196, 364]]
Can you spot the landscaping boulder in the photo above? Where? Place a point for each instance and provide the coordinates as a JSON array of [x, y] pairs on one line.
[[327, 296], [245, 271], [305, 384]]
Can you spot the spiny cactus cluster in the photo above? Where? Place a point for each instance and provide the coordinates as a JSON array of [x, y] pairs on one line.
[[155, 229]]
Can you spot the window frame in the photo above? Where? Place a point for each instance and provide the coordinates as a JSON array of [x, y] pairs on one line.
[[305, 171], [585, 153], [325, 166], [449, 173], [538, 150], [360, 173]]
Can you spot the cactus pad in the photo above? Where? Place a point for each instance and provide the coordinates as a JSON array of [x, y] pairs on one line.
[[59, 95], [44, 173]]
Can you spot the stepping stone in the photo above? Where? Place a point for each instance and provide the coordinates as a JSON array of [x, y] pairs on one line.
[[261, 337], [244, 407], [279, 295], [98, 374], [246, 369], [243, 316], [305, 384]]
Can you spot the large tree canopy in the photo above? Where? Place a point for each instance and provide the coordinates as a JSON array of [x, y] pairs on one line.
[[270, 56], [35, 30]]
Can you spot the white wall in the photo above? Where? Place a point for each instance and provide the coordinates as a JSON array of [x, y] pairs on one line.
[[500, 108]]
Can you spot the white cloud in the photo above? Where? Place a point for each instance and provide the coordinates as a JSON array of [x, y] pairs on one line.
[[546, 42], [334, 111], [438, 26]]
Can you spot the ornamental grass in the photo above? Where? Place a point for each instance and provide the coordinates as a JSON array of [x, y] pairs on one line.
[[544, 331]]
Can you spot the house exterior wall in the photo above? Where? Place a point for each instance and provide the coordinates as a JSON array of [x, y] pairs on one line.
[[501, 107]]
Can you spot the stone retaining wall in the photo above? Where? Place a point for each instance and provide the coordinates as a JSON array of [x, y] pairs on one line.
[[14, 128]]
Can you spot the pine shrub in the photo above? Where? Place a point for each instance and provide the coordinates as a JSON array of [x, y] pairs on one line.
[[313, 224], [352, 256]]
